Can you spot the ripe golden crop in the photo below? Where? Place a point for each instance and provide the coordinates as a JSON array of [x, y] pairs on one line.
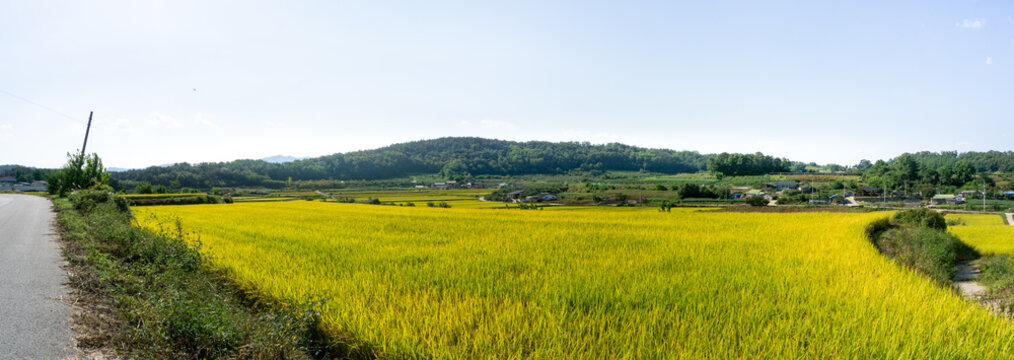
[[595, 284], [985, 232]]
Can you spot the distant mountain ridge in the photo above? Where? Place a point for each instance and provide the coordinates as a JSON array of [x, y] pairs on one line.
[[281, 159], [450, 156]]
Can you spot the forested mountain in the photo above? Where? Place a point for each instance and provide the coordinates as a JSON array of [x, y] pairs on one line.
[[990, 161], [465, 157], [451, 157], [23, 173]]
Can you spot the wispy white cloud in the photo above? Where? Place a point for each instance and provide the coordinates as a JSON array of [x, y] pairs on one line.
[[989, 60], [973, 23], [6, 130], [159, 119], [203, 120]]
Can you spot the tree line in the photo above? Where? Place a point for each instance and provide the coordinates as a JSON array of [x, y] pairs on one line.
[[463, 158], [452, 158]]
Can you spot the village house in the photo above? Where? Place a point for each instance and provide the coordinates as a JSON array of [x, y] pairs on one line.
[[7, 183], [514, 195], [540, 197], [968, 194], [781, 185], [867, 191], [940, 199], [806, 189], [34, 186]]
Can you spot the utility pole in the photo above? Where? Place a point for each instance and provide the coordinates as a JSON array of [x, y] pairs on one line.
[[984, 196], [885, 192], [87, 130]]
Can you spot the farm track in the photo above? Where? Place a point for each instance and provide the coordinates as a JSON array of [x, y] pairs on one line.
[[964, 282], [34, 318], [1010, 219]]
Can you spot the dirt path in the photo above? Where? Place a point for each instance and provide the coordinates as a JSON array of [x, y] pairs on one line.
[[1010, 219], [964, 282]]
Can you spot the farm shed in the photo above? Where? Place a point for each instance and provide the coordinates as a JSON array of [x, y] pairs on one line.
[[514, 195]]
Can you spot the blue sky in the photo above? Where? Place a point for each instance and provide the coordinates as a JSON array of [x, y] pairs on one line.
[[203, 81]]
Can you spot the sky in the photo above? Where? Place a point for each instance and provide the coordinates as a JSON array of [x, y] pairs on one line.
[[199, 81]]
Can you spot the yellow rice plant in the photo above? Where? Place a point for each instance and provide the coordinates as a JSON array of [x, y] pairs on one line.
[[985, 232], [597, 284]]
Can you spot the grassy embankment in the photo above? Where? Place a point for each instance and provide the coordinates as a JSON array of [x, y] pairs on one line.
[[918, 239], [151, 296]]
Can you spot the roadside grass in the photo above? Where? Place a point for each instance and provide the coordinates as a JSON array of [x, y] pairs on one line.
[[151, 296]]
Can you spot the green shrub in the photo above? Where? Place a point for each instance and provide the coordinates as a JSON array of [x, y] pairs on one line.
[[757, 201], [928, 250], [921, 217], [997, 272]]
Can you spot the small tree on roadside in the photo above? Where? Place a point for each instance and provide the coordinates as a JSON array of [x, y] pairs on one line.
[[80, 172]]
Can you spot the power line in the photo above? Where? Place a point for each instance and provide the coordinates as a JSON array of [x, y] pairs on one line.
[[37, 104]]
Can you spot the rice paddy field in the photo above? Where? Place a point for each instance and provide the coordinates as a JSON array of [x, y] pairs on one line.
[[600, 283], [985, 232]]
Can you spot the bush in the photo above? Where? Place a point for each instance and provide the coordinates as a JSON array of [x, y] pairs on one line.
[[928, 250], [998, 272], [757, 201], [86, 200], [921, 217], [791, 196], [181, 200]]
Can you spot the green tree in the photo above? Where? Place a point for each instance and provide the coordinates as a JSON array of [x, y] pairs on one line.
[[80, 172], [145, 188], [757, 201]]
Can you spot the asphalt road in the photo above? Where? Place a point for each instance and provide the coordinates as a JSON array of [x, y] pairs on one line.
[[34, 320]]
